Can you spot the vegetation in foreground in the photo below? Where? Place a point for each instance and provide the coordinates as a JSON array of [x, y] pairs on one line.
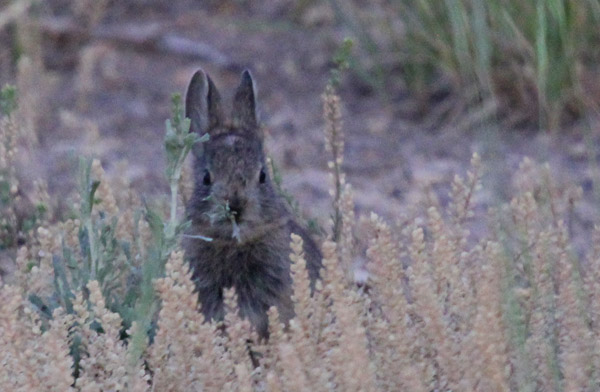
[[104, 300]]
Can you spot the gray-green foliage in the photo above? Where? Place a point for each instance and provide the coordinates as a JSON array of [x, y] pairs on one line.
[[341, 59], [103, 257], [179, 141], [108, 259], [8, 99]]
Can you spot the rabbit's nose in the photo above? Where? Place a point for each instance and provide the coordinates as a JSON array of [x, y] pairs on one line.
[[236, 206]]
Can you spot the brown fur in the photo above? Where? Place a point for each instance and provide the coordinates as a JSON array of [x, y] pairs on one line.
[[255, 262]]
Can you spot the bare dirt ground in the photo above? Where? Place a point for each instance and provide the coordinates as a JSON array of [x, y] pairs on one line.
[[391, 154]]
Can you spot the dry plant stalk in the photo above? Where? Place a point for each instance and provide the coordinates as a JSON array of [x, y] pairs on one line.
[[391, 333], [105, 365], [107, 202], [182, 335], [341, 192], [32, 360], [334, 144]]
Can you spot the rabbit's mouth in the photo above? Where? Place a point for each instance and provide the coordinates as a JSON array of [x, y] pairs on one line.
[[226, 227], [238, 232], [226, 230]]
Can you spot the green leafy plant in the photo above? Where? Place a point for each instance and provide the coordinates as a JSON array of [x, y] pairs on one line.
[[179, 141], [341, 61], [126, 282], [8, 99]]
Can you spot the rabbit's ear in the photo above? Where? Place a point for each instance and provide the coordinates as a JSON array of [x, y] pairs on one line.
[[203, 104], [244, 103]]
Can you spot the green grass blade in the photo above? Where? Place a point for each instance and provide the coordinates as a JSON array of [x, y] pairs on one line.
[[541, 50], [483, 45]]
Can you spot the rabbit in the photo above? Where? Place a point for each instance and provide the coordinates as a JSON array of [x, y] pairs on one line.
[[235, 205]]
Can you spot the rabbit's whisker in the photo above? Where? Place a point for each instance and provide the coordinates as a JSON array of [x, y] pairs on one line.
[[197, 237]]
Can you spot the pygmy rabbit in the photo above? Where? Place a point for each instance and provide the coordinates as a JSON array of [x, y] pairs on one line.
[[234, 204]]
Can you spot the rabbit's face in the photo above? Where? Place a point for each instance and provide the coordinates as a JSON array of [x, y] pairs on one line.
[[235, 182], [233, 191]]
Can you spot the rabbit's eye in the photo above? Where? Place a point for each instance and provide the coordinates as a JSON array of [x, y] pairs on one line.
[[206, 179], [262, 177]]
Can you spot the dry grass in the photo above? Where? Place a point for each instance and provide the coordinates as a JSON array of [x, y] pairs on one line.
[[515, 311]]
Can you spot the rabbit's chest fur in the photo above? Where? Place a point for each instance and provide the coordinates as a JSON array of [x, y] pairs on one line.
[[259, 271]]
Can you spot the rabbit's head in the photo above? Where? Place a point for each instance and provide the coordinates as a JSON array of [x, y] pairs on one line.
[[233, 192]]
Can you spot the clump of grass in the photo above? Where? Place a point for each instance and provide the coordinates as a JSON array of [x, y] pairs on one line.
[[533, 58]]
